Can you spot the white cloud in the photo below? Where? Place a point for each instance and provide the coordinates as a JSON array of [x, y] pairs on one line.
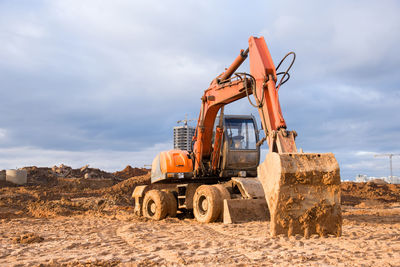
[[110, 160], [356, 41], [2, 133], [365, 153]]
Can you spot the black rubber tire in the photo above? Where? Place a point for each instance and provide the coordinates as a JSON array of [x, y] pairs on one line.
[[207, 204], [155, 205], [224, 193], [172, 204]]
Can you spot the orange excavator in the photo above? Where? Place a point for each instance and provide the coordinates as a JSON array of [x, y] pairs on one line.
[[222, 178]]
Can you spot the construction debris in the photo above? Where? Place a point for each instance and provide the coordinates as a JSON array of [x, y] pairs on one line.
[[16, 176]]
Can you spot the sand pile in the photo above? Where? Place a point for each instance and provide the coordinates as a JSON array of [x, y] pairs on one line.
[[6, 184], [356, 193], [63, 191], [40, 175], [129, 172], [84, 172], [121, 193], [45, 175]]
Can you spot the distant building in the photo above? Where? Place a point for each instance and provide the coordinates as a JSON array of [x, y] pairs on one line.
[[183, 137], [393, 180], [362, 178]]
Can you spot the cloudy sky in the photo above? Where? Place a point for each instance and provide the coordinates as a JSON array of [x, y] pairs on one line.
[[104, 82]]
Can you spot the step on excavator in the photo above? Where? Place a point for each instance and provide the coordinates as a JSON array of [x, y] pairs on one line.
[[222, 179]]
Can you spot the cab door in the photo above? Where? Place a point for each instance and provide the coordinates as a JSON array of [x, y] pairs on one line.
[[240, 152]]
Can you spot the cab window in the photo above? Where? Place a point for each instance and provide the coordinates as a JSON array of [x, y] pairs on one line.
[[240, 133]]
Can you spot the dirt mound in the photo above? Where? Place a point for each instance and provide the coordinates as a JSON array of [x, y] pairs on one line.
[[51, 176], [44, 175], [39, 175], [129, 172], [84, 172], [64, 191], [6, 184], [121, 193], [78, 196], [67, 196], [378, 181], [82, 184], [356, 193], [130, 184]]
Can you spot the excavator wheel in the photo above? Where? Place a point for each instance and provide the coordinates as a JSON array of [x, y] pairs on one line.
[[223, 191], [172, 204], [224, 195], [207, 204], [155, 205]]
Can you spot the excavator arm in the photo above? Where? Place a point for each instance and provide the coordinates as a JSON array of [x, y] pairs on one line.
[[224, 90]]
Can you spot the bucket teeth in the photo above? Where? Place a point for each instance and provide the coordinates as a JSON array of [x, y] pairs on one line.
[[303, 193]]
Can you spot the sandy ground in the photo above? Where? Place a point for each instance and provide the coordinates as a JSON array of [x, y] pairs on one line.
[[62, 218], [371, 236]]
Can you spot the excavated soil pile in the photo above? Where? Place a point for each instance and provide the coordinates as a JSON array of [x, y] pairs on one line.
[[46, 176], [358, 193], [6, 184], [40, 175], [129, 172], [63, 191], [84, 172], [55, 192], [121, 193]]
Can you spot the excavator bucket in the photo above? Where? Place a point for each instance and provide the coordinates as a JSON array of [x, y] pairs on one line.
[[303, 193]]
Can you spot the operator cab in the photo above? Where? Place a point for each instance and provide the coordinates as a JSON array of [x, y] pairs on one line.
[[239, 151]]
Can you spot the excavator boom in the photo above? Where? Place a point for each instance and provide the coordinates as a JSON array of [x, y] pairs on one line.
[[223, 91]]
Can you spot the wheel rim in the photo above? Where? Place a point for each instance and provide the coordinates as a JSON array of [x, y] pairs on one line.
[[203, 205], [151, 208]]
